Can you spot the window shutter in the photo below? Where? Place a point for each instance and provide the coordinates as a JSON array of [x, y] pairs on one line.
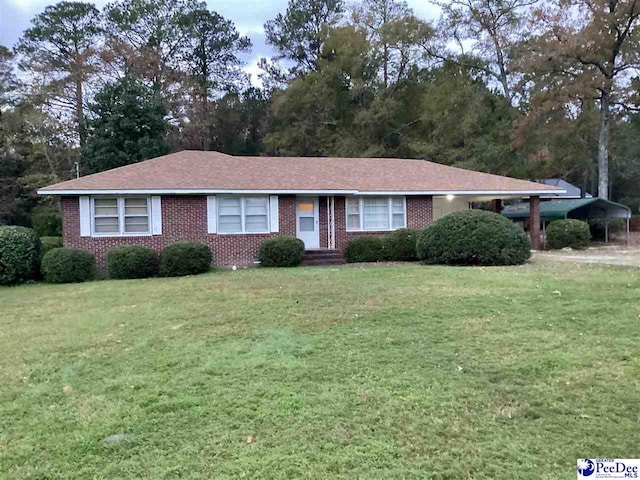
[[273, 210], [211, 214], [85, 217], [156, 215]]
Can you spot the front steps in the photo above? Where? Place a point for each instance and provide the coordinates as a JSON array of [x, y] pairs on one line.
[[323, 257]]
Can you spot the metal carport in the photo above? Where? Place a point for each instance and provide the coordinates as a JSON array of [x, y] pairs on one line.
[[580, 209]]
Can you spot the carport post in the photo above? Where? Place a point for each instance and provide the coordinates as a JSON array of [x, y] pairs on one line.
[[534, 222], [606, 228], [628, 217]]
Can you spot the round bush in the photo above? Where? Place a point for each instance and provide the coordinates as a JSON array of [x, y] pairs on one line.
[[132, 261], [68, 265], [185, 258], [401, 245], [281, 252], [365, 249], [568, 233], [19, 254], [474, 237], [49, 243]]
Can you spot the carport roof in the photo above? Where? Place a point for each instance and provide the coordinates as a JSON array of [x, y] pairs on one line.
[[556, 209]]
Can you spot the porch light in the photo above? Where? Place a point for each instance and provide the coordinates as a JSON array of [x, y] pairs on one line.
[[450, 197]]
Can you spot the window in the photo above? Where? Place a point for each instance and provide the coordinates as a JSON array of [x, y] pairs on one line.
[[375, 213], [353, 213], [243, 214], [121, 216]]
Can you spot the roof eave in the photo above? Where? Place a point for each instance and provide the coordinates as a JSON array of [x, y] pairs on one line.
[[206, 191]]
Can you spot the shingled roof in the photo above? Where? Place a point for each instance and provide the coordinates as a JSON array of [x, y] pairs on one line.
[[211, 172]]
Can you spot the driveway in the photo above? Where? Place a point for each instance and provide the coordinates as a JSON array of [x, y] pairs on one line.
[[628, 256]]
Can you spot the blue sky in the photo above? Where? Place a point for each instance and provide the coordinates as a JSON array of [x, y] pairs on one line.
[[248, 15]]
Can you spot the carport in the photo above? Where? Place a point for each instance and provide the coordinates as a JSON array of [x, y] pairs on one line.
[[580, 209]]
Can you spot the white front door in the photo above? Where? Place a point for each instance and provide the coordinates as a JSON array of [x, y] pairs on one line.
[[307, 222]]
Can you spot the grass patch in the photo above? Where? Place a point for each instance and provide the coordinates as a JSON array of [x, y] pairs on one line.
[[354, 372]]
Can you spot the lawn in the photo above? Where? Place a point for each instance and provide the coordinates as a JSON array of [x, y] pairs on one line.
[[353, 372]]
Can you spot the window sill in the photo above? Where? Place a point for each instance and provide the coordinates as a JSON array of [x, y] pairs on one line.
[[120, 235], [377, 230], [241, 233]]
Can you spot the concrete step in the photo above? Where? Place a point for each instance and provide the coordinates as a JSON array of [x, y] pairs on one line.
[[323, 257]]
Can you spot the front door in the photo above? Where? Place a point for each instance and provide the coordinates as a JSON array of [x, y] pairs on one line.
[[307, 222]]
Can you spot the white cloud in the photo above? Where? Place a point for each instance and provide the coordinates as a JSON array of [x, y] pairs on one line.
[[254, 72]]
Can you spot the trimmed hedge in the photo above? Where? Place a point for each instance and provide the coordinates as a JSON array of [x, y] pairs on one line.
[[68, 265], [401, 245], [19, 254], [281, 252], [568, 233], [185, 258], [365, 249], [49, 243], [132, 261], [474, 237]]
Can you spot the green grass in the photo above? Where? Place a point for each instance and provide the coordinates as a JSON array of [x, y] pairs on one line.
[[377, 372]]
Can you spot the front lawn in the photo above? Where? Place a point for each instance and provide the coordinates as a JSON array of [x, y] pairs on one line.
[[351, 372]]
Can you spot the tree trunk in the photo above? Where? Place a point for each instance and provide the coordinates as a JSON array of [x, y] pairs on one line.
[[80, 111], [603, 142], [504, 76], [206, 127]]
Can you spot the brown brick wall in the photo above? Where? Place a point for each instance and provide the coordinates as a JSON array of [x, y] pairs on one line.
[[419, 215], [185, 218]]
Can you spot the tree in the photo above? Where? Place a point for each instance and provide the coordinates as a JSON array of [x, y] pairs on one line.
[[210, 56], [397, 37], [126, 125], [313, 115], [61, 45], [464, 123], [593, 44], [300, 33], [144, 40], [493, 28], [8, 80]]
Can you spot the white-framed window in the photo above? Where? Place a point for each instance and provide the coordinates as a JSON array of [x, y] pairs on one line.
[[120, 216], [243, 214], [375, 213]]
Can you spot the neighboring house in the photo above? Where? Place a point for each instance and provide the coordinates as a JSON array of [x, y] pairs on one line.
[[233, 204], [571, 191]]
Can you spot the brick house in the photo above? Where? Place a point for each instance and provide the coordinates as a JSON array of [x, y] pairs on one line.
[[233, 204]]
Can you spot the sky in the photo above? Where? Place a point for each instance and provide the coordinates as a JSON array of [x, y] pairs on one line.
[[248, 16]]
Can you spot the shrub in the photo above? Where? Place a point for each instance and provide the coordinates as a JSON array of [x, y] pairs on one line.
[[46, 221], [132, 261], [49, 243], [19, 254], [568, 233], [185, 258], [597, 227], [474, 237], [401, 245], [281, 252], [364, 249], [68, 265]]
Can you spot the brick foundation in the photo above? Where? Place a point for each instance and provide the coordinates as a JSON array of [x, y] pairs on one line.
[[185, 218]]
